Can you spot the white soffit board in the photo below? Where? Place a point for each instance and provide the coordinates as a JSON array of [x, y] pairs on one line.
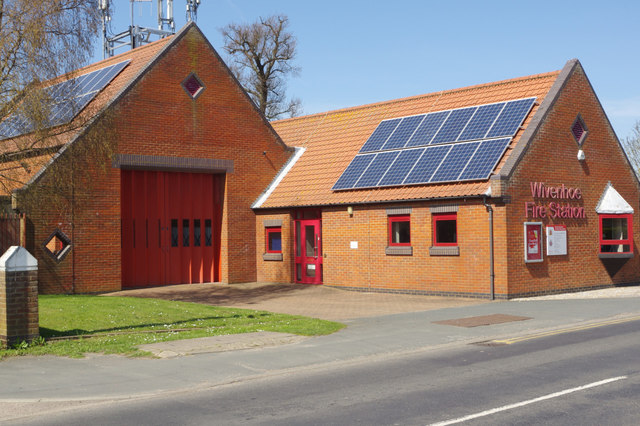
[[292, 161], [611, 202]]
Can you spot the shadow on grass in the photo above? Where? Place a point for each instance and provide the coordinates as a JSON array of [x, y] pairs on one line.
[[48, 332]]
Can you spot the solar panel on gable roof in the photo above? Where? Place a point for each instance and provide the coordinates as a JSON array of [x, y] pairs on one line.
[[376, 169], [454, 162], [401, 167], [485, 159], [353, 171], [481, 122], [454, 125], [380, 135], [403, 132], [66, 100], [511, 118], [429, 126], [427, 164]]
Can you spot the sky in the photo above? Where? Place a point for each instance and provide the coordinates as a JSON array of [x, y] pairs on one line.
[[355, 52]]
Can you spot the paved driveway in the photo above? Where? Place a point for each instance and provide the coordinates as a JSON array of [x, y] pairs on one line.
[[310, 300]]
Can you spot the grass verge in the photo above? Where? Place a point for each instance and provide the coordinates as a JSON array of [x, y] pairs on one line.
[[117, 325]]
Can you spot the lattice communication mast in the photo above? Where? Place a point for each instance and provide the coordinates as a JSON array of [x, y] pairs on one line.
[[136, 36]]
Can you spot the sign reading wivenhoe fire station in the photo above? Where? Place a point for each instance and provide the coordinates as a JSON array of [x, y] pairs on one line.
[[560, 207]]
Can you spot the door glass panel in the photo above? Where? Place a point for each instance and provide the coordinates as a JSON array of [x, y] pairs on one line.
[[298, 272], [309, 239], [196, 232], [185, 232], [298, 240], [174, 232], [207, 232], [311, 270]]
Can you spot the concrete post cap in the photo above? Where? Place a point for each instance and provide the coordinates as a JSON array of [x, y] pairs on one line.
[[18, 259]]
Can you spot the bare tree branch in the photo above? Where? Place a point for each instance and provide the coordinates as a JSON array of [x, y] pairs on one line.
[[261, 56], [631, 145]]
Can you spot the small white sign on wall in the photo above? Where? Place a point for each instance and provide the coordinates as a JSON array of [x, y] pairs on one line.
[[354, 244], [556, 240]]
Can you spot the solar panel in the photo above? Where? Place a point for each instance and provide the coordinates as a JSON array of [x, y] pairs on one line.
[[511, 118], [485, 159], [444, 146], [454, 125], [380, 135], [66, 100], [376, 169], [455, 162], [403, 132], [481, 121], [401, 167], [353, 172], [427, 164]]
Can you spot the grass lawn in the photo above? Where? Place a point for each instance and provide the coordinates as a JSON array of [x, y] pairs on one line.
[[116, 325]]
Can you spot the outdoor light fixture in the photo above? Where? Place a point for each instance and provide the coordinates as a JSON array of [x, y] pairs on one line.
[[350, 210], [580, 155]]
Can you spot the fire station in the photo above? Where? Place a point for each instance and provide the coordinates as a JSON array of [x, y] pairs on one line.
[[511, 188]]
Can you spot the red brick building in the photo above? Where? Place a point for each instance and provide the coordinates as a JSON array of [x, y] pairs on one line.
[[433, 205], [518, 187], [190, 153]]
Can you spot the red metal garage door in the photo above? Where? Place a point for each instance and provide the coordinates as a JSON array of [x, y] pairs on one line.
[[170, 227]]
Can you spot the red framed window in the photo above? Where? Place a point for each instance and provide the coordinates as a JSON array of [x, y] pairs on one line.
[[445, 229], [400, 230], [274, 239], [616, 233]]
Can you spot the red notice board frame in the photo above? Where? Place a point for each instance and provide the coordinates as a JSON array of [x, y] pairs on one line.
[[533, 242]]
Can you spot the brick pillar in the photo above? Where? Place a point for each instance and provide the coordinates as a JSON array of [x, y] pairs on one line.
[[18, 296]]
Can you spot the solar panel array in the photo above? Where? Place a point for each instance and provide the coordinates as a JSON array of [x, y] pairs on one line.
[[66, 100], [444, 146]]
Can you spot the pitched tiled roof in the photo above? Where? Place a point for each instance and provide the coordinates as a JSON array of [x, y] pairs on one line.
[[332, 139], [16, 173]]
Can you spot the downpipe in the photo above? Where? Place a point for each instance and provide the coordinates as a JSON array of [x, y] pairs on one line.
[[492, 274]]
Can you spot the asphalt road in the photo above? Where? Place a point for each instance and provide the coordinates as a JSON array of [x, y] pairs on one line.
[[586, 377]]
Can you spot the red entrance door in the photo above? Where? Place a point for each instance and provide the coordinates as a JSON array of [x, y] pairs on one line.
[[170, 227], [308, 251]]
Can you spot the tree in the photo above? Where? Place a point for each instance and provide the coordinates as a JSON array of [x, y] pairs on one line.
[[632, 147], [261, 56], [39, 40]]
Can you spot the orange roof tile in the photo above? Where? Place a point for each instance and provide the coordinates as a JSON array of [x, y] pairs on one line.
[[332, 139]]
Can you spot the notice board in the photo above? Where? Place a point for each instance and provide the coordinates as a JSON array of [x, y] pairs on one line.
[[532, 242], [556, 240]]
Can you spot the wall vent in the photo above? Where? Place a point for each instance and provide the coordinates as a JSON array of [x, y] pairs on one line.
[[579, 130]]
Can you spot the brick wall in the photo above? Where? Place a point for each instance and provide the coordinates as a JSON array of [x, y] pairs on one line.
[[158, 118], [369, 267], [278, 271], [552, 159]]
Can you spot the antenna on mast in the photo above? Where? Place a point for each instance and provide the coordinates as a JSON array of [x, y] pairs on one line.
[[192, 10], [137, 36]]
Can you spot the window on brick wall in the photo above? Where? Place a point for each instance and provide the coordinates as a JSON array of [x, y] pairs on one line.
[[57, 245], [616, 234], [193, 86], [274, 239], [445, 229], [579, 130], [399, 230]]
